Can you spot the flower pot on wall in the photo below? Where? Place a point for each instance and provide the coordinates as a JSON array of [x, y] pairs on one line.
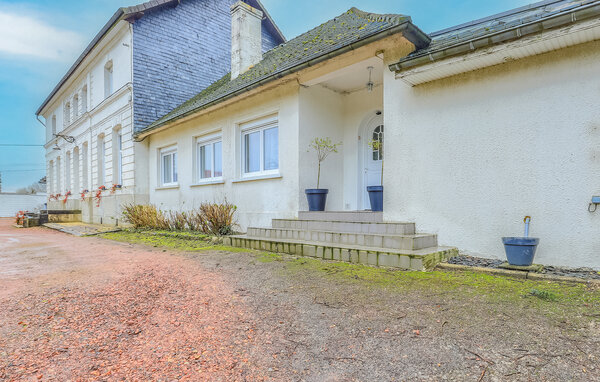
[[317, 197], [520, 250], [376, 197]]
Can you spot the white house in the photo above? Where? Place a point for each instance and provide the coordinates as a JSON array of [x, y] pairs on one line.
[[130, 74], [484, 123]]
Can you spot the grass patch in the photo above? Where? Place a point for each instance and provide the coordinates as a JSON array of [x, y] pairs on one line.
[[553, 297], [269, 257]]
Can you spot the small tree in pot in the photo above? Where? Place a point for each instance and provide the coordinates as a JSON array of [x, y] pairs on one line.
[[376, 192], [317, 197]]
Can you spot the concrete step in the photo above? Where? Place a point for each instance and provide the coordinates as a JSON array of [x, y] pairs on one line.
[[419, 260], [410, 242], [342, 216], [346, 226]]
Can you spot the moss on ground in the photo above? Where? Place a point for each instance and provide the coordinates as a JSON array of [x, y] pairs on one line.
[[555, 298]]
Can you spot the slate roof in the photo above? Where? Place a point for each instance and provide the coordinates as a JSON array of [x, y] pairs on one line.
[[135, 12], [494, 24], [324, 41]]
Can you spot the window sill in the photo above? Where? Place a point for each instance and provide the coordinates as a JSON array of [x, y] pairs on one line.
[[169, 187], [258, 177], [208, 183]]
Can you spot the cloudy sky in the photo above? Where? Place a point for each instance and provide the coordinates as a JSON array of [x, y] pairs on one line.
[[40, 39]]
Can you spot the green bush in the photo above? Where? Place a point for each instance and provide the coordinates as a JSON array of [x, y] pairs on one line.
[[209, 218]]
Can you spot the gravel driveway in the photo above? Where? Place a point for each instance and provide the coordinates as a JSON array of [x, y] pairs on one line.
[[93, 309]]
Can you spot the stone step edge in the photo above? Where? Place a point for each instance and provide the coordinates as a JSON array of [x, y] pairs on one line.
[[409, 236], [418, 260], [342, 221]]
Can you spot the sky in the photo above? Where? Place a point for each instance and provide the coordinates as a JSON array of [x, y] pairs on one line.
[[40, 40]]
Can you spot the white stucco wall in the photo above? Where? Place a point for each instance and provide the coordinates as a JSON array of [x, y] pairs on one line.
[[469, 156], [103, 117], [258, 200], [11, 204]]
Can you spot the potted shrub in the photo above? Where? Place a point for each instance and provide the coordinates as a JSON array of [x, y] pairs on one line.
[[521, 250], [376, 192], [317, 197]]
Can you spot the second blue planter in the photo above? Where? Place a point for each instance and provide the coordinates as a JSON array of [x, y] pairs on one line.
[[376, 197]]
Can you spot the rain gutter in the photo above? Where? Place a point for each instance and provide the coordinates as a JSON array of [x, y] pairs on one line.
[[558, 20]]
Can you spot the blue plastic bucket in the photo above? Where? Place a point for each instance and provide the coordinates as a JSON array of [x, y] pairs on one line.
[[317, 197], [520, 250], [376, 197]]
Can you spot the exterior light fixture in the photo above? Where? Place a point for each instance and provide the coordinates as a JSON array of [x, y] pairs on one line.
[[67, 138], [56, 147], [370, 84]]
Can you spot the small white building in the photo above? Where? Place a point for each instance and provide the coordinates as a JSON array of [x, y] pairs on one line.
[[484, 123]]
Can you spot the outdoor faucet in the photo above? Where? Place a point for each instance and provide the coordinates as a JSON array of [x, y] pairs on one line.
[[527, 220]]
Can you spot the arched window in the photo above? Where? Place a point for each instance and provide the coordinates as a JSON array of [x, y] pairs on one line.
[[84, 166], [108, 79], [117, 157], [75, 106], [100, 162], [378, 140], [68, 171], [76, 181], [84, 102], [50, 179]]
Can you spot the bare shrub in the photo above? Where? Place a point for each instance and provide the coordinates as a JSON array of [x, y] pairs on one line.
[[209, 218]]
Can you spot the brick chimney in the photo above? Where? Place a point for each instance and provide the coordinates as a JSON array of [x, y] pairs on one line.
[[246, 38]]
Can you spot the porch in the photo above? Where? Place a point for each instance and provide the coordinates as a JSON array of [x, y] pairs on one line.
[[345, 105]]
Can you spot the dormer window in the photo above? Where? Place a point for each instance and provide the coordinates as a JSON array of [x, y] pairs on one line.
[[108, 79], [84, 107], [53, 126]]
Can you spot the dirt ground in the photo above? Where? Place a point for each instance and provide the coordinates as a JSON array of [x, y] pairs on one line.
[[77, 309]]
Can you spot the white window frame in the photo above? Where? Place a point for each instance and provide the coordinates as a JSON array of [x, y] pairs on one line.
[[101, 153], [165, 151], [253, 127], [208, 141], [119, 157]]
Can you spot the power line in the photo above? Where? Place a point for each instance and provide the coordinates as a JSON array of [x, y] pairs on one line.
[[40, 169], [19, 145]]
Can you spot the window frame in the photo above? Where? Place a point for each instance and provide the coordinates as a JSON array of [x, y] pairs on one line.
[[163, 152], [210, 140], [259, 126]]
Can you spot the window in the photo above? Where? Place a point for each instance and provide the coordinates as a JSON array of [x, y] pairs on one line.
[[377, 149], [168, 166], [101, 162], [108, 79], [75, 106], [84, 167], [53, 126], [210, 158], [67, 114], [68, 171], [260, 148], [76, 169], [84, 99], [58, 171], [118, 156], [50, 180]]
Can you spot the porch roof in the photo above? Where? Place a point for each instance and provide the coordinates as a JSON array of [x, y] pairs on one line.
[[348, 31]]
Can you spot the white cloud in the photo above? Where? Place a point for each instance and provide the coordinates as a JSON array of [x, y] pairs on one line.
[[29, 36]]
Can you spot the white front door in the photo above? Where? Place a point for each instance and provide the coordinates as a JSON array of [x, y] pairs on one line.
[[372, 157]]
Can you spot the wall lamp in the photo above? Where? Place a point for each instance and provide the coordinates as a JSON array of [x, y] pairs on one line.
[[67, 138], [594, 204]]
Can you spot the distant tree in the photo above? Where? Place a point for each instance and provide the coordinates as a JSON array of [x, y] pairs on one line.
[[35, 188]]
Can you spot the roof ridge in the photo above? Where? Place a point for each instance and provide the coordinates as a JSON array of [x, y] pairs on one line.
[[387, 17]]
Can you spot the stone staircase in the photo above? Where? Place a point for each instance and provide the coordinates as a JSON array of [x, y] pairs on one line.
[[354, 237]]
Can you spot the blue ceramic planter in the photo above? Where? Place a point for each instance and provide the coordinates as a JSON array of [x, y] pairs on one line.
[[376, 197], [317, 197], [520, 250]]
